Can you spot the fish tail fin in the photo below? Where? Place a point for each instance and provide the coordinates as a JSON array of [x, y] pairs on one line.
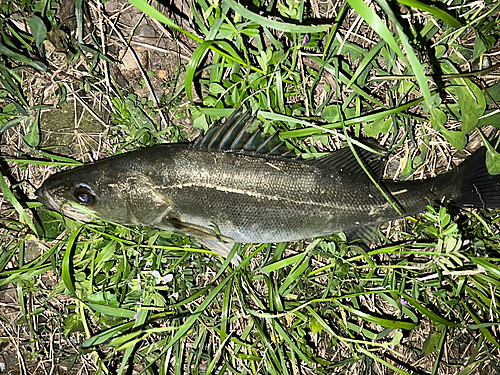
[[478, 188]]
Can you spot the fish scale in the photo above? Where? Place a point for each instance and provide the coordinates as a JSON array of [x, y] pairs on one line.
[[226, 196]]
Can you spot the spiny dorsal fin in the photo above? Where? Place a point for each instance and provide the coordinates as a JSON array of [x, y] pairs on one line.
[[236, 135]]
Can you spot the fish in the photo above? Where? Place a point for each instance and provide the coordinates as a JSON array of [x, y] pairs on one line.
[[238, 185]]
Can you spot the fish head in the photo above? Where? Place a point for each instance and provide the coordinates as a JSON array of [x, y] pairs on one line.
[[83, 193], [115, 194]]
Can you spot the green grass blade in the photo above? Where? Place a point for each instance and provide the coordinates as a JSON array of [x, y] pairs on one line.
[[486, 333], [111, 310], [194, 61], [42, 162], [217, 355], [226, 311], [103, 337], [418, 69], [67, 263], [383, 362], [277, 25], [439, 349], [270, 352], [431, 315], [186, 326], [125, 360], [198, 56], [376, 23], [314, 129], [144, 7], [344, 79], [290, 342], [365, 62], [9, 195], [11, 124], [492, 269], [38, 65], [283, 263], [389, 323], [436, 12]]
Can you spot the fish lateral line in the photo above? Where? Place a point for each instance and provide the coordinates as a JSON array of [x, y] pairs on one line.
[[258, 195]]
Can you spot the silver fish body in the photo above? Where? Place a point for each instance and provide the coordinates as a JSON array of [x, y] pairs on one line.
[[231, 195]]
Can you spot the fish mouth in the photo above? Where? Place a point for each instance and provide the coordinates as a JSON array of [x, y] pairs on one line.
[[43, 196], [67, 209]]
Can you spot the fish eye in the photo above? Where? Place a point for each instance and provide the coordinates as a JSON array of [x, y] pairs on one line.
[[84, 195]]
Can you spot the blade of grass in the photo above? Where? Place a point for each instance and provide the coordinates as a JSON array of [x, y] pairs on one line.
[[431, 315], [198, 56], [213, 45], [270, 352], [111, 310], [277, 25], [377, 25], [103, 337], [186, 326], [436, 12], [37, 65], [282, 263], [67, 270], [439, 348], [488, 266], [327, 128], [43, 162], [389, 323], [345, 79], [146, 8], [383, 362], [364, 63], [9, 195]]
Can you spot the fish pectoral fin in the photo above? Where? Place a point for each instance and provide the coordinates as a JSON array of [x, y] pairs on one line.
[[196, 230], [221, 248]]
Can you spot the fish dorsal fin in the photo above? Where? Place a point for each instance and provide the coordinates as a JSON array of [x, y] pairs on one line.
[[236, 134], [344, 159]]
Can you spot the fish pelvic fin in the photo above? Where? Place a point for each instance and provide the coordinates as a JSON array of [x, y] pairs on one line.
[[195, 230], [209, 238], [221, 248]]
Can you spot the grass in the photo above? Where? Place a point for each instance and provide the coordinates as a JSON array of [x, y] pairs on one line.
[[104, 298]]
